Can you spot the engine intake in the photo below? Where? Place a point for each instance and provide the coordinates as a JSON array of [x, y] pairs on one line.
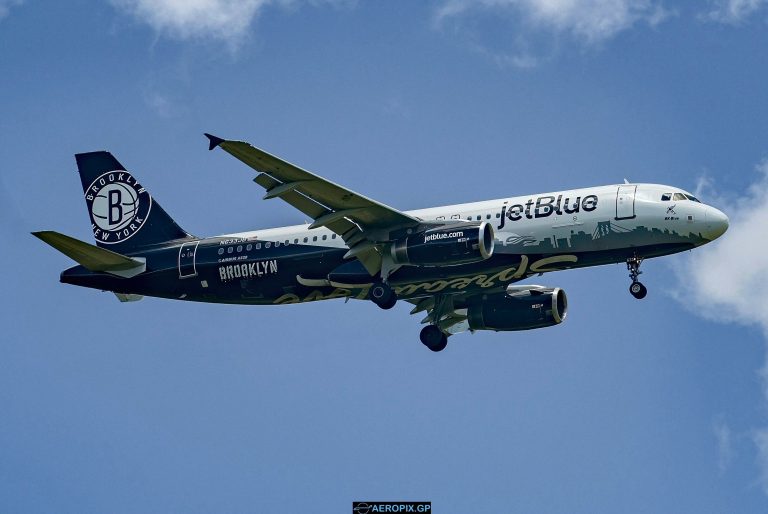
[[522, 309], [446, 245]]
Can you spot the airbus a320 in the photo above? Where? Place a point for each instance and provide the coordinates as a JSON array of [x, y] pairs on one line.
[[460, 265]]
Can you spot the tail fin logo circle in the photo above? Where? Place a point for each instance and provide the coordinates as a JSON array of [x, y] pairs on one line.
[[119, 206]]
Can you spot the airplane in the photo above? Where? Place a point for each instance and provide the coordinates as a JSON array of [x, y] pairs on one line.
[[459, 264]]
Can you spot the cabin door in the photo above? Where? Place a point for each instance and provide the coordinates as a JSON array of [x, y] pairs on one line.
[[625, 202], [187, 254]]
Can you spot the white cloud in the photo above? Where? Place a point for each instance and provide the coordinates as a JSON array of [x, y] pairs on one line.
[[725, 280], [589, 20], [722, 433], [761, 441], [5, 6], [225, 20], [723, 276], [732, 12]]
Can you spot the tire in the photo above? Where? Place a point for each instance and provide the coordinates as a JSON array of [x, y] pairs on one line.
[[638, 290], [382, 295], [433, 338], [389, 304]]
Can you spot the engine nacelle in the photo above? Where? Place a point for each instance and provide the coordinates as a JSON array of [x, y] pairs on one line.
[[520, 309], [446, 245]]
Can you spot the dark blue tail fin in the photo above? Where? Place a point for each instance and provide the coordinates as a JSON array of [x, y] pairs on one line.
[[124, 216]]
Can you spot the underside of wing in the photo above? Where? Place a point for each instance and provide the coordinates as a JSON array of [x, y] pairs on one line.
[[517, 307]]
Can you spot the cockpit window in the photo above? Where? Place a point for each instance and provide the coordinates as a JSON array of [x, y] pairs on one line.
[[692, 198], [679, 196], [666, 197]]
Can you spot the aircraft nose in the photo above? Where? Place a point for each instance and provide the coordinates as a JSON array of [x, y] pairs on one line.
[[716, 223]]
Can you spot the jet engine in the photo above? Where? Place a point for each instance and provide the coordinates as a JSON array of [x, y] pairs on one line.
[[519, 308], [446, 245]]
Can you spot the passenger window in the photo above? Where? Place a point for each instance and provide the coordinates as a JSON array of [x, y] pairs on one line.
[[666, 197], [487, 216], [287, 242], [306, 239], [679, 197], [267, 244], [239, 248], [314, 238], [296, 241], [230, 249], [479, 218], [325, 237], [498, 215], [249, 248], [277, 243], [333, 236], [455, 216], [221, 251], [258, 246]]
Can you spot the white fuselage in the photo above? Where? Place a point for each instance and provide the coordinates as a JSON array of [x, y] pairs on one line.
[[564, 221]]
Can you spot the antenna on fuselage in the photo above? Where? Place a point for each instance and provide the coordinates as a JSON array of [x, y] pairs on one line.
[[626, 181]]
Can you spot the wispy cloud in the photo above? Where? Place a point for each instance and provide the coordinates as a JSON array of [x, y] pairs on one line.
[[533, 30], [591, 21], [724, 281], [228, 21], [159, 103], [722, 433], [732, 12], [5, 6]]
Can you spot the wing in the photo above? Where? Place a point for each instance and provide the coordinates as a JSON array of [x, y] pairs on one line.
[[449, 312], [362, 223]]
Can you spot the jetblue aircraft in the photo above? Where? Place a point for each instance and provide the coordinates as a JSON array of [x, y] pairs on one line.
[[459, 264]]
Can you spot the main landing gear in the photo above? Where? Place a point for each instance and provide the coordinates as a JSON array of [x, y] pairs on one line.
[[433, 338], [382, 295], [636, 289]]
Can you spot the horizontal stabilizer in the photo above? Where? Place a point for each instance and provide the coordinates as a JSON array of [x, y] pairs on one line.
[[123, 297], [92, 257]]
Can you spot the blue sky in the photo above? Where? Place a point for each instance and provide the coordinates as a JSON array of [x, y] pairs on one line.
[[162, 406]]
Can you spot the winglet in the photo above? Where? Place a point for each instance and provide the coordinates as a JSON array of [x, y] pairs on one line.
[[213, 141]]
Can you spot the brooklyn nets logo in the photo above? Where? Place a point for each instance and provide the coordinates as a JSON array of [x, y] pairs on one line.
[[118, 206]]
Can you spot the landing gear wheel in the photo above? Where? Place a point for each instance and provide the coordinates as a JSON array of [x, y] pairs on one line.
[[638, 290], [382, 295], [433, 338]]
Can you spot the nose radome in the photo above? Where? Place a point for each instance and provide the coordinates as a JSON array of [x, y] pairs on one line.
[[716, 223]]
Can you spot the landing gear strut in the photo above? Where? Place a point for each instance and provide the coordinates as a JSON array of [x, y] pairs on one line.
[[433, 338], [382, 295], [636, 289]]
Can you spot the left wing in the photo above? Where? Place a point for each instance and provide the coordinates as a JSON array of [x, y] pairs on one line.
[[364, 224], [449, 312]]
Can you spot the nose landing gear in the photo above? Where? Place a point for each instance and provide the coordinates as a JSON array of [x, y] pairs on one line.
[[636, 289]]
